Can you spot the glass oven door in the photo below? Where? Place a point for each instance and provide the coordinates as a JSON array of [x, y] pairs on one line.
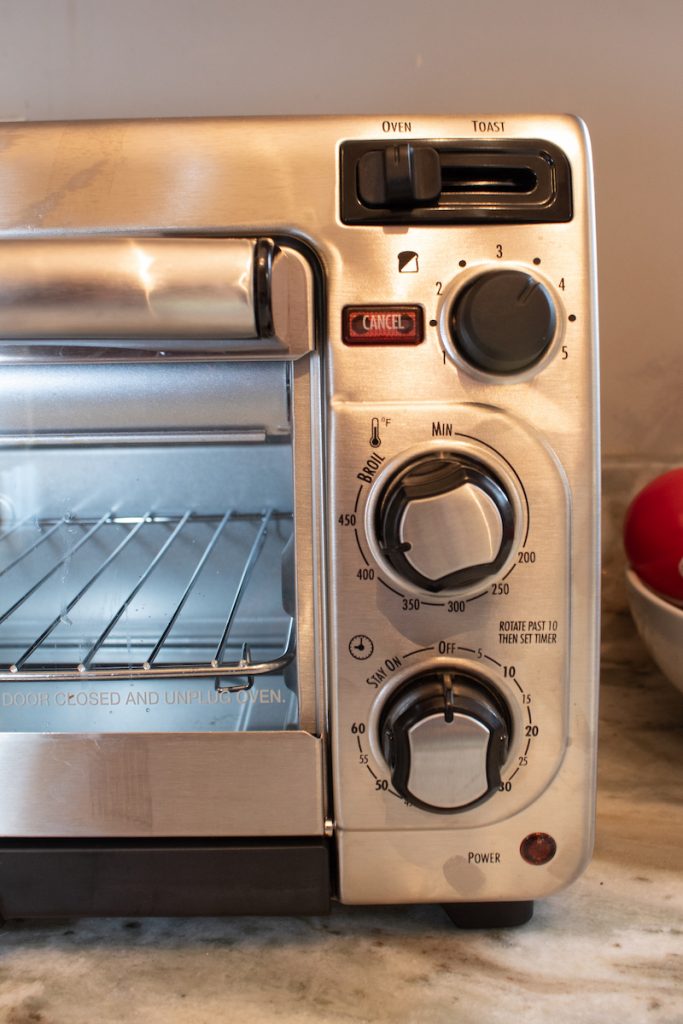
[[160, 611]]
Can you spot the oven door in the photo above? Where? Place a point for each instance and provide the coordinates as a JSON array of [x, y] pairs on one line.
[[160, 546]]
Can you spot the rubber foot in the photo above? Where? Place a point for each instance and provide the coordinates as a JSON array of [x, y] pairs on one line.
[[490, 915]]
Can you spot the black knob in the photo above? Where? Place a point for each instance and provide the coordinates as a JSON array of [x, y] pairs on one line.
[[445, 736], [503, 321], [445, 522]]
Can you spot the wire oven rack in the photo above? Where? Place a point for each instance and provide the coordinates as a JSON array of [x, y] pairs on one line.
[[238, 673]]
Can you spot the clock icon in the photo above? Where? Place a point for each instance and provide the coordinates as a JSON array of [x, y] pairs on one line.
[[361, 647]]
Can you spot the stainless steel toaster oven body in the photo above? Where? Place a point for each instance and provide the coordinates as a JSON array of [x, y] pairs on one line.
[[298, 514]]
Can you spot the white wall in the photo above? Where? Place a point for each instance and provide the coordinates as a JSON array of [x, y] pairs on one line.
[[618, 63]]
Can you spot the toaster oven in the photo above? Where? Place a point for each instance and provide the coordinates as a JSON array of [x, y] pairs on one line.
[[298, 515]]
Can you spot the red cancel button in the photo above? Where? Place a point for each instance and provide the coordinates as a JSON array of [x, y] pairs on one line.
[[382, 325]]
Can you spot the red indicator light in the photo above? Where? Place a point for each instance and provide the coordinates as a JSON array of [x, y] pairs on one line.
[[382, 325], [538, 848]]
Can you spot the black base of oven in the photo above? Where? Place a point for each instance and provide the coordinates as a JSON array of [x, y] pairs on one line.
[[126, 878], [187, 878]]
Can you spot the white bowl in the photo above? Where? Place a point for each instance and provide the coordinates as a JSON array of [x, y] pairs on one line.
[[660, 625]]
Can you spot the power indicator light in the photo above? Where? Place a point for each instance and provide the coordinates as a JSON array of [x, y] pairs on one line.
[[538, 848]]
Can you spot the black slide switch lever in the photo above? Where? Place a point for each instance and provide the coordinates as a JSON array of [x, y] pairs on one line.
[[397, 176]]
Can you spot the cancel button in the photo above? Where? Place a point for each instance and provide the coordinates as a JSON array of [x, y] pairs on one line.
[[382, 325]]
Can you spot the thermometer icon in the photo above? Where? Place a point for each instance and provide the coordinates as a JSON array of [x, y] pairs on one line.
[[375, 440]]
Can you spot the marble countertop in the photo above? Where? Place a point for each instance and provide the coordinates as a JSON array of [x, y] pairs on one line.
[[609, 949]]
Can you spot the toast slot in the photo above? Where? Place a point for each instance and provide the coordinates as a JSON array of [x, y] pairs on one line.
[[476, 176]]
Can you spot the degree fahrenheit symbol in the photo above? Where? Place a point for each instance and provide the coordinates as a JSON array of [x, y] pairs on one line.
[[361, 647]]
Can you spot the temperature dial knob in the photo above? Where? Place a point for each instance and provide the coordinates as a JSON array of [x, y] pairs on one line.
[[445, 736], [503, 321], [445, 522]]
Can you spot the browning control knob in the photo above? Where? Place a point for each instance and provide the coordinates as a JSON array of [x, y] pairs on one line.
[[445, 522], [445, 736], [503, 321]]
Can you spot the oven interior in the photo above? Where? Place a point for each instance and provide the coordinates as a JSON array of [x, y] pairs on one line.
[[147, 567]]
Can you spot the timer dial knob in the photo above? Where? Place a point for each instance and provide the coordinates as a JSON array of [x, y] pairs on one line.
[[445, 522], [445, 736], [503, 321]]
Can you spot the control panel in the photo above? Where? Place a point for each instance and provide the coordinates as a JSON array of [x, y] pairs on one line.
[[462, 520]]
